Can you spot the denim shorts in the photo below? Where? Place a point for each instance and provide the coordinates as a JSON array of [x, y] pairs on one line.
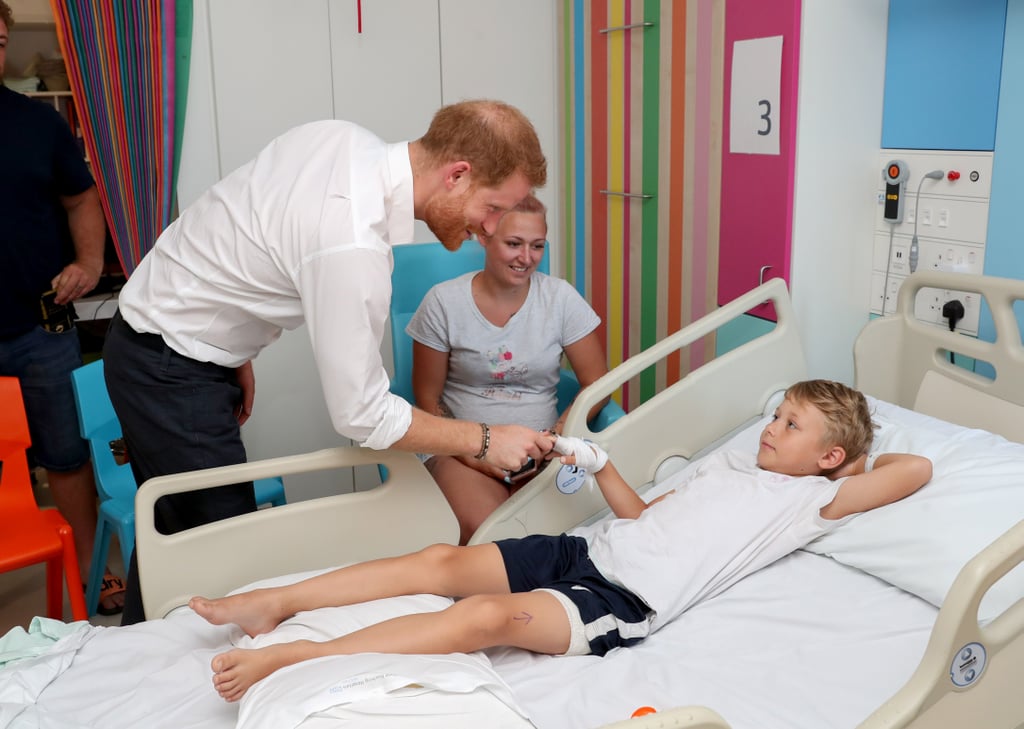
[[43, 362], [601, 614]]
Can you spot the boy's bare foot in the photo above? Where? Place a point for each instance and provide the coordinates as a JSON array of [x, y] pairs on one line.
[[254, 612], [236, 670]]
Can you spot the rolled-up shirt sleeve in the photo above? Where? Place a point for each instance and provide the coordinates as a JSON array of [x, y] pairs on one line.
[[345, 295]]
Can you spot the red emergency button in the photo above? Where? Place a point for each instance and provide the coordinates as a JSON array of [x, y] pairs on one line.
[[953, 175], [894, 171]]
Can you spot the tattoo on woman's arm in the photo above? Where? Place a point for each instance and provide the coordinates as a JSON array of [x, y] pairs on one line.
[[444, 410]]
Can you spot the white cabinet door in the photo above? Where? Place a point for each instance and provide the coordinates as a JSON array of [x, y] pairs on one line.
[[271, 71], [268, 70], [387, 74], [497, 49], [387, 77]]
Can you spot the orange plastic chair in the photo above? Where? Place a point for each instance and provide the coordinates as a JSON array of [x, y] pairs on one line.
[[30, 535]]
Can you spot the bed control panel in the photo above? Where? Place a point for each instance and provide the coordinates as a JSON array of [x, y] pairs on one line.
[[968, 665]]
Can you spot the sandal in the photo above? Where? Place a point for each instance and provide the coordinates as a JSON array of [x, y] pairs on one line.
[[111, 587]]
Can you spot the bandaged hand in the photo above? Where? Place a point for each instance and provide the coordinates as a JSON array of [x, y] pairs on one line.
[[586, 455]]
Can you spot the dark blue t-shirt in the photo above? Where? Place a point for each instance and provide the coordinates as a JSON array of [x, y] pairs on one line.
[[39, 162]]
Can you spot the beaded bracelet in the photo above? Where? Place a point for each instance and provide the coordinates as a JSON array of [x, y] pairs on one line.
[[485, 443]]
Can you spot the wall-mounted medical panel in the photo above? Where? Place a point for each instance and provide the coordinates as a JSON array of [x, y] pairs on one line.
[[950, 217], [943, 64]]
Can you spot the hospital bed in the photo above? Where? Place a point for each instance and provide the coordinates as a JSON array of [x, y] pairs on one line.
[[887, 622]]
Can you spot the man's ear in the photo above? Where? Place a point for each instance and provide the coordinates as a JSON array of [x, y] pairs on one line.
[[457, 172], [832, 458]]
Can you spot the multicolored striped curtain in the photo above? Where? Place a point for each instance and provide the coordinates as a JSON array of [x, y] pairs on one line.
[[127, 62], [642, 119]]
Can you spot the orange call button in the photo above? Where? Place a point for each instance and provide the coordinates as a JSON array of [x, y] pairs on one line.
[[894, 171]]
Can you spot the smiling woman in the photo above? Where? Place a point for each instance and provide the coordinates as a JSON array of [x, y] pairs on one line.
[[488, 346]]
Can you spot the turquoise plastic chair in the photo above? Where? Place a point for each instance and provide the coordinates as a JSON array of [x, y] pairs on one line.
[[418, 267], [115, 483]]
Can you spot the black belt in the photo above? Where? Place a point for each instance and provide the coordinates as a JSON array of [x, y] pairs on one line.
[[155, 343], [150, 341]]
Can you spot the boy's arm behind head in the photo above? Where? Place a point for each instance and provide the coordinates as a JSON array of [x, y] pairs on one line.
[[894, 476]]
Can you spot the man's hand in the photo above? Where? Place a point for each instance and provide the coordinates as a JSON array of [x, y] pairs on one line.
[[247, 381], [75, 281], [482, 466], [511, 445]]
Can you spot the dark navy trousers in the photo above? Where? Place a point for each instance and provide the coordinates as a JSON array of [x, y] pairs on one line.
[[177, 414]]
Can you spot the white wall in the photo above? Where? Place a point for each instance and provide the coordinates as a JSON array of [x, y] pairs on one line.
[[839, 130]]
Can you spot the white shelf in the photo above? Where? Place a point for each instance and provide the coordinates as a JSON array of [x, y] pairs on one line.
[[31, 12]]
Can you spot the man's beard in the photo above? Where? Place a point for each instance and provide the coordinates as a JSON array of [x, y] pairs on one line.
[[446, 218]]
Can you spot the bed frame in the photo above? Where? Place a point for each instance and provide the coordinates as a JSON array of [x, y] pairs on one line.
[[898, 359]]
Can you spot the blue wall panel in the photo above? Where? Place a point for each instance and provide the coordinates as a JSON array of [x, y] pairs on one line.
[[1004, 254], [942, 72]]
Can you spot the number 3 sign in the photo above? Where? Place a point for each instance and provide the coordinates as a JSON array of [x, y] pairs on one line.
[[754, 98]]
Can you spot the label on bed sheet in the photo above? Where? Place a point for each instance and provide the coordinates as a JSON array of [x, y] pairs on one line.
[[968, 665]]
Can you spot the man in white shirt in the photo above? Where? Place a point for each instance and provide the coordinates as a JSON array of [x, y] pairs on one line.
[[303, 233]]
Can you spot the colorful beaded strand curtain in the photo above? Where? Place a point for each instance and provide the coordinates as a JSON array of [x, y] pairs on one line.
[[128, 69]]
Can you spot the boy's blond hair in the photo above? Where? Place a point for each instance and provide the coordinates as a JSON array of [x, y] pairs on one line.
[[847, 419]]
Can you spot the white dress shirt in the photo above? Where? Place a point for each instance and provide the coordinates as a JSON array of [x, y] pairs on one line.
[[302, 233]]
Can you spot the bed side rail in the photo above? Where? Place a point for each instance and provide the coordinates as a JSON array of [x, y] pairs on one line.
[[407, 512], [970, 673], [687, 416], [902, 360]]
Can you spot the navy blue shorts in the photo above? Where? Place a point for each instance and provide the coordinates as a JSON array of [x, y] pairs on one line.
[[43, 361], [601, 615]]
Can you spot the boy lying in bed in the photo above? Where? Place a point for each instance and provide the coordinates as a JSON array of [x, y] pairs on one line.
[[624, 577]]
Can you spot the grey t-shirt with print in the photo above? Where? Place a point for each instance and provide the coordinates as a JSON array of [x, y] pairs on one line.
[[508, 374]]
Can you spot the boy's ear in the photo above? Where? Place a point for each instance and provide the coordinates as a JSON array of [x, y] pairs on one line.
[[832, 458]]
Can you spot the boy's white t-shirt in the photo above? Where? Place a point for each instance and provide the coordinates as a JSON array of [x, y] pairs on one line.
[[727, 519]]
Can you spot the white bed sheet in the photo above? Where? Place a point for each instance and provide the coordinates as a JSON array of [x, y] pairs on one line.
[[806, 643], [769, 653], [157, 675]]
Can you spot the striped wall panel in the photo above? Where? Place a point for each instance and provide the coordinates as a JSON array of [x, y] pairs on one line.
[[643, 116]]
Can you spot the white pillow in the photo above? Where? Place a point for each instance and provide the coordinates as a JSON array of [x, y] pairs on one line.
[[919, 544]]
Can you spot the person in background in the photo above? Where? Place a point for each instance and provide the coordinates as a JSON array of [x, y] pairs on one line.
[[488, 346], [303, 234], [52, 240], [614, 583]]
